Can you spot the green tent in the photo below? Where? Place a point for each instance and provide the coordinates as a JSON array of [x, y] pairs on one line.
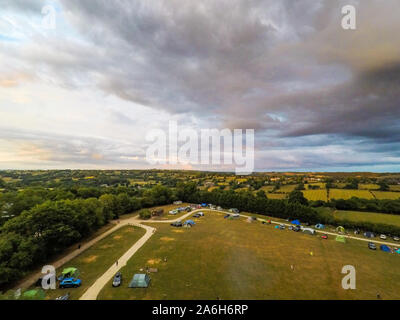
[[70, 271], [341, 239], [140, 280], [33, 295], [340, 229]]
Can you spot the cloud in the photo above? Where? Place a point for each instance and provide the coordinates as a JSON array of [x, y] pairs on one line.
[[286, 69]]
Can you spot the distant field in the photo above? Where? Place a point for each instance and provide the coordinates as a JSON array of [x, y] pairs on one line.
[[276, 196], [373, 217], [386, 195], [369, 186], [395, 188], [287, 188], [347, 194], [314, 195], [267, 188]]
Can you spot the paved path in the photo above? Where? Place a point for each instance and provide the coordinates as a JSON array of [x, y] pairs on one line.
[[93, 291]]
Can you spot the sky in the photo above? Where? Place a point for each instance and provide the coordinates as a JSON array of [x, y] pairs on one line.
[[84, 92]]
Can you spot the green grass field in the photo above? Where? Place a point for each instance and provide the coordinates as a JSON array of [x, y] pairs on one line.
[[287, 188], [234, 259], [319, 194], [347, 194], [276, 195], [373, 217], [368, 186], [386, 195], [93, 262]]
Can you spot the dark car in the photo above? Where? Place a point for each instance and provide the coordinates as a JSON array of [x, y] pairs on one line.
[[117, 280], [196, 215], [227, 216], [371, 246], [177, 224], [296, 228]]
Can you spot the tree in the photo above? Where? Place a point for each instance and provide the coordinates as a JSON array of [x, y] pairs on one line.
[[296, 196], [145, 214], [383, 186]]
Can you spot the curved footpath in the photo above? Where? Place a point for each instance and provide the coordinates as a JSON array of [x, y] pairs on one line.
[[93, 291]]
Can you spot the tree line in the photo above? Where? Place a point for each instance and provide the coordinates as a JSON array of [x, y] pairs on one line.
[[45, 229]]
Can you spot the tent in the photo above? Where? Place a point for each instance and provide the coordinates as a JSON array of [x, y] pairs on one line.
[[398, 251], [140, 280], [385, 248], [309, 231], [33, 295], [69, 272], [341, 239], [296, 222], [369, 234], [340, 229], [319, 226], [276, 227], [189, 222], [204, 204]]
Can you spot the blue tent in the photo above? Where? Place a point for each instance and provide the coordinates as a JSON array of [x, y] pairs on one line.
[[191, 222], [398, 251], [204, 204], [319, 226], [385, 248], [296, 222]]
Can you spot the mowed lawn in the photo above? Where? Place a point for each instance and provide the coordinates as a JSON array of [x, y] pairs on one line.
[[93, 262], [372, 217], [235, 259]]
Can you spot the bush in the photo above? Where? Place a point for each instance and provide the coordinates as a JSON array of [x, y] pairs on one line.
[[144, 214]]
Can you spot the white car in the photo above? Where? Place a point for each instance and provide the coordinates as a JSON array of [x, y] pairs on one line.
[[236, 215], [173, 212], [383, 237], [396, 238]]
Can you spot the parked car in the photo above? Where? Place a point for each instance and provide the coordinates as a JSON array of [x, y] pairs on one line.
[[234, 210], [236, 215], [296, 228], [324, 236], [177, 224], [227, 216], [396, 238], [290, 228], [383, 237], [70, 283], [371, 246], [117, 279], [282, 226], [196, 215], [64, 297], [173, 212], [201, 214]]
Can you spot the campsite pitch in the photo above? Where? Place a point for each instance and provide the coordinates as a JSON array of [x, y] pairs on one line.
[[230, 259], [93, 262]]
